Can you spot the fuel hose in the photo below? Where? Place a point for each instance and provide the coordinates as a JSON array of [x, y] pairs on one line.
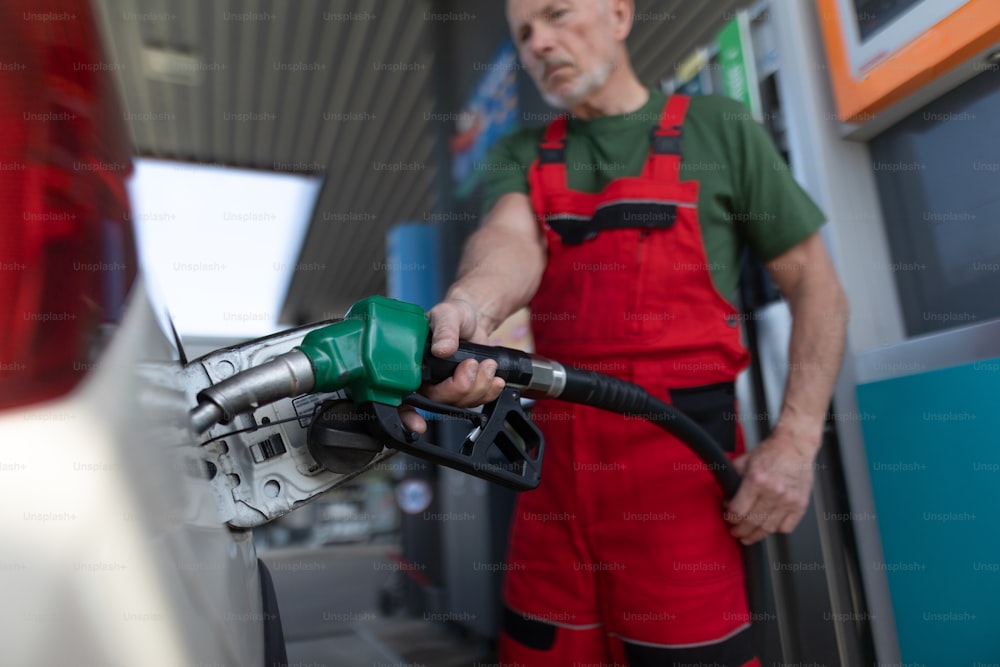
[[538, 377]]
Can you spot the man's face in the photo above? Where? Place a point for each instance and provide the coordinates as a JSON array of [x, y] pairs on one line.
[[568, 46]]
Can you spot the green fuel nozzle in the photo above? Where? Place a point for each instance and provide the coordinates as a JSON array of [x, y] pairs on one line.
[[379, 354], [375, 352]]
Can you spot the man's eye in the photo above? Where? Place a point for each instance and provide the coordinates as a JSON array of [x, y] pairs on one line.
[[557, 14]]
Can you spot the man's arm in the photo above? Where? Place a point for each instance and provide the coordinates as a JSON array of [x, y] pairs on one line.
[[501, 266], [778, 473], [500, 269]]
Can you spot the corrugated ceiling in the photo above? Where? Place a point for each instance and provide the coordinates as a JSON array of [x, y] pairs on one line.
[[338, 88]]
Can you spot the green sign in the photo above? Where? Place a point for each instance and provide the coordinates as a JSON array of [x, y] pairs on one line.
[[737, 65]]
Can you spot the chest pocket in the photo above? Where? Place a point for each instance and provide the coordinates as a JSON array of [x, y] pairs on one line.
[[609, 279]]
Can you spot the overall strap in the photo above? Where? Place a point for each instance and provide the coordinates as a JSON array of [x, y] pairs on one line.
[[664, 162]]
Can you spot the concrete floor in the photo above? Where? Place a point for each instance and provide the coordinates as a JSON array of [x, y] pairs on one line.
[[328, 598]]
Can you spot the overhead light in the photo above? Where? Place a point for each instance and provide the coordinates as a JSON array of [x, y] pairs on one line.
[[220, 246], [174, 66]]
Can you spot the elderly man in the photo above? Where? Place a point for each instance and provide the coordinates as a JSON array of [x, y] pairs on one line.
[[622, 224]]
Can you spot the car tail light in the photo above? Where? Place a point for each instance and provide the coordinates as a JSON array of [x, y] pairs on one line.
[[67, 252]]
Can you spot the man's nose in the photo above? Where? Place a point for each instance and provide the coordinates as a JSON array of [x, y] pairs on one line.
[[541, 41]]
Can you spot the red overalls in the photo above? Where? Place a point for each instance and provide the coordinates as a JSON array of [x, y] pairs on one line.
[[622, 553]]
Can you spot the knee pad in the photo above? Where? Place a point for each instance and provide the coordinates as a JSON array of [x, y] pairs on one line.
[[527, 641], [734, 651]]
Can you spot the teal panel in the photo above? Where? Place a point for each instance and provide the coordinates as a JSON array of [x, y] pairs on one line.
[[934, 454]]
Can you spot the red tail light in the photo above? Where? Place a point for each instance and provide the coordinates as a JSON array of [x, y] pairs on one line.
[[67, 257]]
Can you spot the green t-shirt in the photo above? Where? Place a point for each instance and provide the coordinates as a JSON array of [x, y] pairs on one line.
[[746, 193]]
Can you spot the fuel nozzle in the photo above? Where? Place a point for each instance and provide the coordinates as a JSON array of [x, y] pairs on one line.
[[374, 353], [288, 374]]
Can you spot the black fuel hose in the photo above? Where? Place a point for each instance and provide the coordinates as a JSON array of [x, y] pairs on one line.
[[607, 392], [538, 377]]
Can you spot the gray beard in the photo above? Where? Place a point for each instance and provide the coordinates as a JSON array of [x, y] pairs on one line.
[[588, 84]]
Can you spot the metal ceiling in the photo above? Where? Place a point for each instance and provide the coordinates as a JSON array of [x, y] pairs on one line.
[[337, 88]]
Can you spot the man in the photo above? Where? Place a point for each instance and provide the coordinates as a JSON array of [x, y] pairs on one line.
[[622, 227]]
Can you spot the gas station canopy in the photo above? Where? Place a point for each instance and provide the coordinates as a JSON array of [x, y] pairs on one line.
[[347, 89]]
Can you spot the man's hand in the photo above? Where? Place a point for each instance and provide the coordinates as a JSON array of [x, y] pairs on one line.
[[473, 383], [777, 481], [501, 267], [778, 473]]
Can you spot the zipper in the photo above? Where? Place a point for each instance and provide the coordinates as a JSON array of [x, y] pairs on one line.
[[636, 326], [643, 233]]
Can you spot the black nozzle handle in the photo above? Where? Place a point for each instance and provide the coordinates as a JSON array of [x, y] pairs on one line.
[[514, 366], [544, 378]]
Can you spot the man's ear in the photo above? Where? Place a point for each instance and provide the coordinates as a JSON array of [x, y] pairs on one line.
[[622, 13]]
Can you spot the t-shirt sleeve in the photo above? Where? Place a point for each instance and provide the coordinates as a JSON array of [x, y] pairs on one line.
[[505, 169], [773, 212]]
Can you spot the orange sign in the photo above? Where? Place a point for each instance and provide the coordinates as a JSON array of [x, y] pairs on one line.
[[969, 30]]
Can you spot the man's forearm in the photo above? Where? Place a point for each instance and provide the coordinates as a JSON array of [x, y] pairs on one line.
[[816, 350], [502, 263]]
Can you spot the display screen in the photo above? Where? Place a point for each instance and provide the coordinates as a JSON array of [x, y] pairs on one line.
[[873, 15], [939, 184]]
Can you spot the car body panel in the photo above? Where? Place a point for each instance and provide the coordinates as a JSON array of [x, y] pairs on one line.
[[114, 550]]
